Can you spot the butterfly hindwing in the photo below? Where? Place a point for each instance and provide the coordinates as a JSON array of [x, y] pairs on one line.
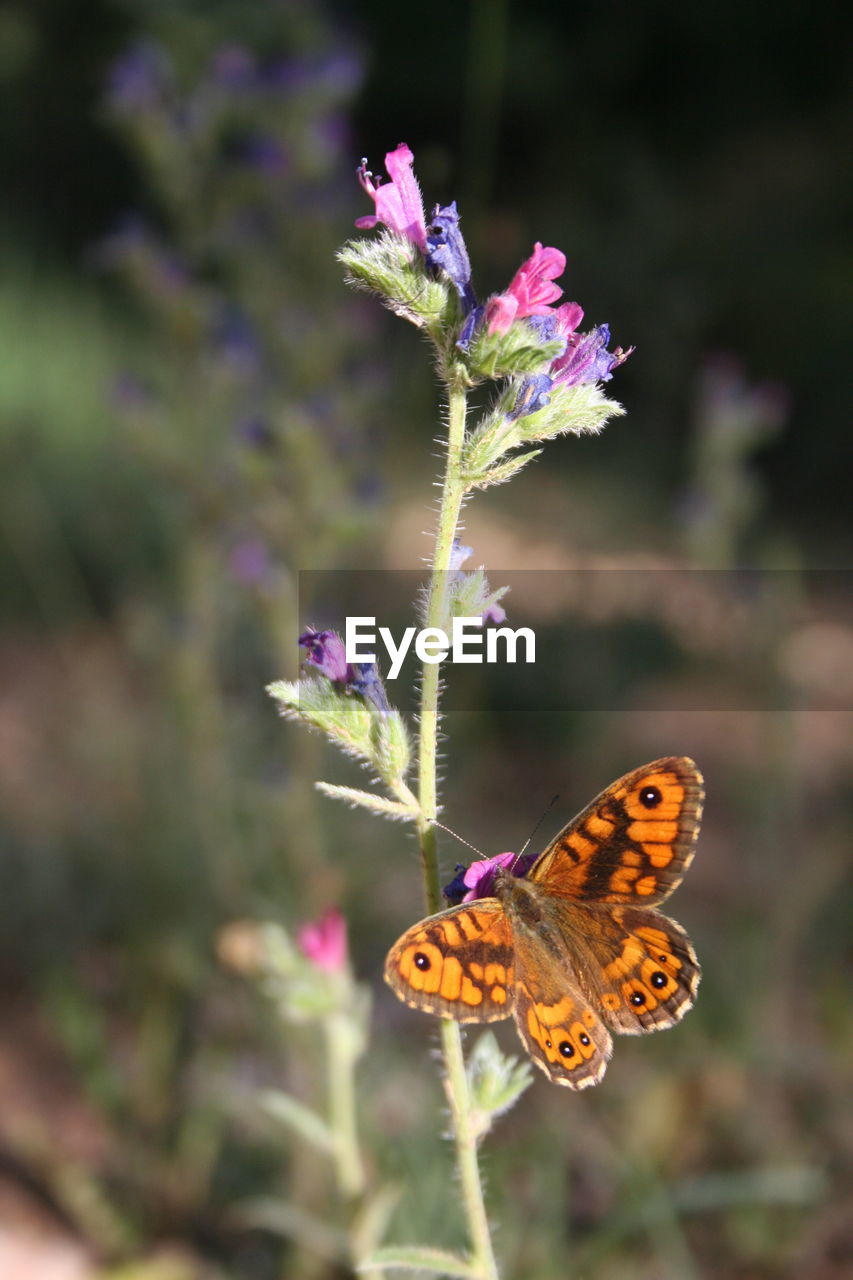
[[561, 1031], [645, 968], [633, 844], [458, 964]]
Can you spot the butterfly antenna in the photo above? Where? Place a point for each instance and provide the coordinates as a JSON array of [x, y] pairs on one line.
[[456, 836], [540, 820]]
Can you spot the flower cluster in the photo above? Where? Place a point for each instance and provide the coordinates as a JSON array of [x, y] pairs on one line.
[[568, 358]]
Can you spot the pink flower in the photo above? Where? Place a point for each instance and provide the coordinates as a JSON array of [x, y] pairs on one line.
[[398, 203], [324, 941], [530, 292], [479, 877]]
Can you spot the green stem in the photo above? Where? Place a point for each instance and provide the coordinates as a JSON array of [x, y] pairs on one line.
[[341, 1102], [438, 615]]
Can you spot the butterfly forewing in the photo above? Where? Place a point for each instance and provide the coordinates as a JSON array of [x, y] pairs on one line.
[[458, 964], [633, 844]]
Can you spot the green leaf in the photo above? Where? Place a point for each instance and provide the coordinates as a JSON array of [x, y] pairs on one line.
[[502, 472], [495, 1079], [394, 809], [297, 1224], [580, 410], [392, 749], [342, 717], [297, 1117], [371, 1221], [394, 269], [420, 1258]]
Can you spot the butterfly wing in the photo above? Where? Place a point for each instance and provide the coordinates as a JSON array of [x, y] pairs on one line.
[[633, 844], [558, 1026], [458, 964], [643, 970]]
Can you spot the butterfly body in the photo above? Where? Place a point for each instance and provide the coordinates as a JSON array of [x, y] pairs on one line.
[[576, 949]]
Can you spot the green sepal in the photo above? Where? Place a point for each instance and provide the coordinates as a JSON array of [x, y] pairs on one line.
[[518, 351], [472, 595], [577, 410]]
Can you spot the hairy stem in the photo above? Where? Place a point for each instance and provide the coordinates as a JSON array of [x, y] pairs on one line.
[[438, 615]]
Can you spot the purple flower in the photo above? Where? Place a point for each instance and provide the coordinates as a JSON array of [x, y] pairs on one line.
[[530, 292], [446, 249], [249, 562], [367, 681], [586, 358], [458, 555], [495, 613], [478, 880], [138, 79], [327, 653], [324, 941], [398, 203], [533, 395], [233, 66]]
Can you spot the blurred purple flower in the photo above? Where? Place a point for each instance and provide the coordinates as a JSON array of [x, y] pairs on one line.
[[249, 562], [495, 613], [266, 154], [324, 941], [398, 203], [128, 394], [255, 432], [233, 66], [138, 79], [458, 555], [236, 342]]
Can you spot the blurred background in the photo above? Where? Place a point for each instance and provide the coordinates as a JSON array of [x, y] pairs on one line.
[[193, 408]]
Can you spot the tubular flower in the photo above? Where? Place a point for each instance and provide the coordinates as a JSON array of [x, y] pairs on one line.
[[530, 292], [398, 203], [586, 358], [446, 249]]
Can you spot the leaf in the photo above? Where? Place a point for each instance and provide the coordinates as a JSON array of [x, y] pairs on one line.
[[369, 800], [371, 1221], [316, 702], [417, 1257], [296, 1116], [297, 1224], [504, 471]]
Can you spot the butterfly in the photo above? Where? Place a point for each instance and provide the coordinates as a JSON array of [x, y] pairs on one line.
[[574, 949]]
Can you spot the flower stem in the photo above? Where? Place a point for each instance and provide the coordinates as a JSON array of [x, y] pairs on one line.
[[437, 615], [341, 1103]]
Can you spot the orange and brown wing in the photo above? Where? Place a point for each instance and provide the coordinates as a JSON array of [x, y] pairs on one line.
[[563, 1034], [458, 964], [634, 842], [645, 969]]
